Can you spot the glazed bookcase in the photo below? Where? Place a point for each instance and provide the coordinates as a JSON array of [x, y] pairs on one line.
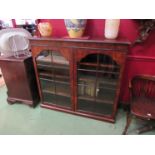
[[81, 77]]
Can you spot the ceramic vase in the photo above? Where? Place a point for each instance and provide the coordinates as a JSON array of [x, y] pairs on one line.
[[111, 28], [75, 27], [45, 29]]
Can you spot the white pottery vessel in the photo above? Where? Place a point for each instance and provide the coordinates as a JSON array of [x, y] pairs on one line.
[[111, 28]]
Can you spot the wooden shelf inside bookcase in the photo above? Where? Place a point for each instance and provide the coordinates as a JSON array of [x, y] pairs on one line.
[[53, 65], [100, 65], [57, 93], [88, 98], [49, 75], [55, 81]]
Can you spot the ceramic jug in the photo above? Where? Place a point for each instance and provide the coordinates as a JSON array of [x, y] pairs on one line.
[[45, 29]]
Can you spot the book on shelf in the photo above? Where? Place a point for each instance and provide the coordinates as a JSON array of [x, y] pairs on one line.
[[88, 88]]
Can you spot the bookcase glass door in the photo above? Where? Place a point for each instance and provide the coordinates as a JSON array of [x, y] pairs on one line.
[[54, 74], [98, 77]]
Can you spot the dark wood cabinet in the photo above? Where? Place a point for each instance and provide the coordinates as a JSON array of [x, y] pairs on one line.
[[20, 80], [81, 77]]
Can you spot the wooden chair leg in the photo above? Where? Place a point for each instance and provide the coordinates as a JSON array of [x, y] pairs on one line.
[[146, 129], [128, 121]]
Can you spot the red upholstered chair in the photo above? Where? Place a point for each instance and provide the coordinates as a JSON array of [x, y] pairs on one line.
[[142, 101]]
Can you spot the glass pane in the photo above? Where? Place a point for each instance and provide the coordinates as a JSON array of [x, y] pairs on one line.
[[87, 66], [47, 85], [105, 95], [95, 107], [49, 98], [54, 73], [63, 89], [57, 100], [97, 84], [108, 68], [86, 89], [56, 93], [63, 101], [86, 76], [98, 98], [61, 74]]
